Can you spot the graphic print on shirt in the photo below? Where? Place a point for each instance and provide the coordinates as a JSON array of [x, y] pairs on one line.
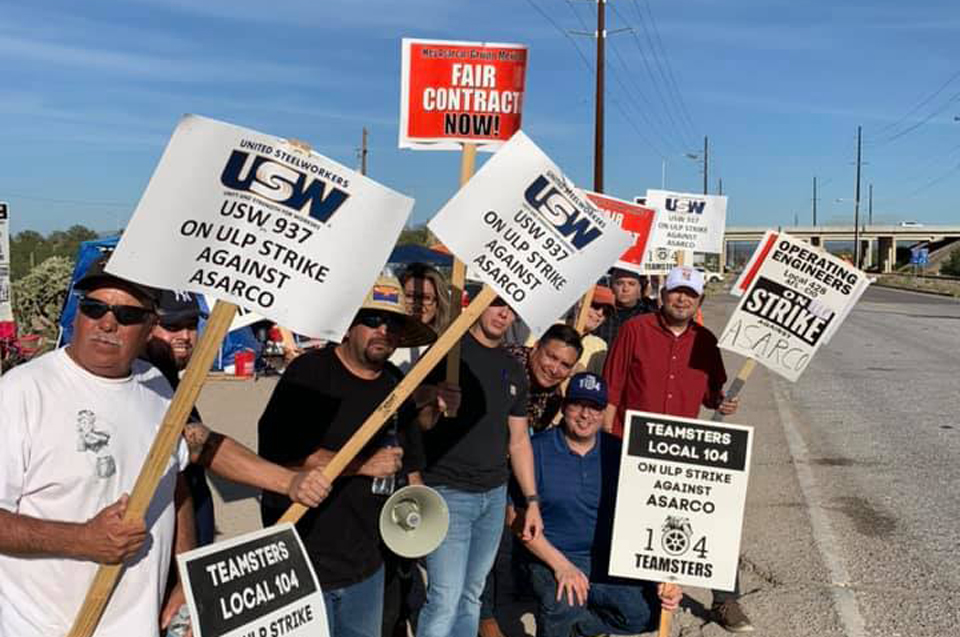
[[89, 438]]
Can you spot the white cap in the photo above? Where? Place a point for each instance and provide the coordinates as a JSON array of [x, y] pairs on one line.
[[683, 276]]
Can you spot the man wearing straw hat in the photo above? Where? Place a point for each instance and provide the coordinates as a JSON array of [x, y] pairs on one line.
[[321, 400]]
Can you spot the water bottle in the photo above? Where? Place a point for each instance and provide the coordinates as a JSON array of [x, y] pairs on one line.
[[386, 484], [180, 623]]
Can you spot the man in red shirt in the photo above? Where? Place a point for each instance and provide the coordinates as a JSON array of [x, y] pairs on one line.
[[667, 363]]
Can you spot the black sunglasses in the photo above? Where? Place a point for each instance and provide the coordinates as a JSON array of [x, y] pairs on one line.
[[374, 320], [125, 314]]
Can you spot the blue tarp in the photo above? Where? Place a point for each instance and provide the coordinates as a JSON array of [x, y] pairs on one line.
[[235, 341]]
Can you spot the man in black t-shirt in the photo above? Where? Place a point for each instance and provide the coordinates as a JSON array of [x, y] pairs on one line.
[[467, 463], [322, 399]]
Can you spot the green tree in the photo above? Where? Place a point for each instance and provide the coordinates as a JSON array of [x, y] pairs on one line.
[[416, 235], [29, 247], [951, 267], [38, 296]]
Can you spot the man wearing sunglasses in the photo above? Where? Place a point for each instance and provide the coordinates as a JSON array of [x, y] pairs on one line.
[[75, 427], [577, 467], [322, 399]]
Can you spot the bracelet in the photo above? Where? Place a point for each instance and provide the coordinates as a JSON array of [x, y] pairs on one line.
[[533, 499]]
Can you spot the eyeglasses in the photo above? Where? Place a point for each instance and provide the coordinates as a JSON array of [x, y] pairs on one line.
[[125, 314], [421, 299], [177, 325], [374, 320]]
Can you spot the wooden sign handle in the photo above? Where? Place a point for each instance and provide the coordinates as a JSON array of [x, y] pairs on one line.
[[666, 618], [585, 302], [392, 402], [737, 385], [155, 464], [468, 161]]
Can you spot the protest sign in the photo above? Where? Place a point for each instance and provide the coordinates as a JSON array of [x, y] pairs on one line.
[[254, 220], [251, 219], [455, 92], [680, 500], [688, 221], [259, 584], [794, 296], [529, 233], [637, 220], [7, 327]]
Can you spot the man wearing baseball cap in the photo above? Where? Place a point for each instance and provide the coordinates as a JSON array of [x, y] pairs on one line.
[[322, 399], [577, 468], [629, 291], [75, 427], [667, 363]]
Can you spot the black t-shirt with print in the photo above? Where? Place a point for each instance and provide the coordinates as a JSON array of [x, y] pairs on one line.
[[319, 403], [469, 452]]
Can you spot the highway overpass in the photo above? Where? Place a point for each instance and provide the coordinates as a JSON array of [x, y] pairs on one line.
[[885, 237]]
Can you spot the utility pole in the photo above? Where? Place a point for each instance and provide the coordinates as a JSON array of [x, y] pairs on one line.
[[870, 208], [598, 128], [706, 161], [363, 153], [720, 186], [814, 202], [856, 209]]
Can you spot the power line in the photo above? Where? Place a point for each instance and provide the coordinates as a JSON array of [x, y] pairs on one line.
[[676, 93], [895, 136], [684, 143], [920, 105]]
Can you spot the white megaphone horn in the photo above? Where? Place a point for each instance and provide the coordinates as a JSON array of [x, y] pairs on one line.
[[414, 521]]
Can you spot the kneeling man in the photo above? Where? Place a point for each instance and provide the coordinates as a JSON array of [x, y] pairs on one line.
[[576, 469]]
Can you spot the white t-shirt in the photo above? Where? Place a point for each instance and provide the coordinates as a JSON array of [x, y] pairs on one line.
[[71, 443]]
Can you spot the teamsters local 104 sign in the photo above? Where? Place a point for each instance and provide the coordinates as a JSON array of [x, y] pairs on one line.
[[255, 220], [460, 92]]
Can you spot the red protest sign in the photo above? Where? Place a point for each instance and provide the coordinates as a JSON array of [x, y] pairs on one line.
[[635, 219], [460, 92]]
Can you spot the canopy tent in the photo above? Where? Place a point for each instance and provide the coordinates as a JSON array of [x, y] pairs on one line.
[[235, 341]]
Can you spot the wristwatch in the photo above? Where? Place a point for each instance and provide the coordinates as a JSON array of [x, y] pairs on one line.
[[532, 498]]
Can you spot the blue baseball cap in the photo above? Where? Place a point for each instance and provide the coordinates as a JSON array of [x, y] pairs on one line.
[[587, 387]]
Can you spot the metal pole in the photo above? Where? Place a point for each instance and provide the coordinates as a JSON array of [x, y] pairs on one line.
[[598, 130], [663, 174], [814, 202], [856, 209], [720, 186], [706, 161], [870, 208], [363, 153]]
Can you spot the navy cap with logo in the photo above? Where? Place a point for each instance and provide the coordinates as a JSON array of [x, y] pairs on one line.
[[587, 387], [177, 306], [97, 276]]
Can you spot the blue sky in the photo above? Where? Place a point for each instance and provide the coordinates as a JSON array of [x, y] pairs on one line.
[[91, 90]]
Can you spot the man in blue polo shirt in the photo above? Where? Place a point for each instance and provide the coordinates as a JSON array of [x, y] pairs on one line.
[[576, 468]]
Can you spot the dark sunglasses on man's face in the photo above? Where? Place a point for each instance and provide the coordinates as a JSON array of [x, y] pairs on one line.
[[374, 320], [125, 314]]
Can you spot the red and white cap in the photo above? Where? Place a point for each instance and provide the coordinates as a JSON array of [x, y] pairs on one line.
[[684, 276]]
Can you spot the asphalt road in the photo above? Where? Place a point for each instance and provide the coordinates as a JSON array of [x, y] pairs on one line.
[[851, 524]]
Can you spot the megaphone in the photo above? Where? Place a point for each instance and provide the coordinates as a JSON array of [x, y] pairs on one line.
[[414, 521]]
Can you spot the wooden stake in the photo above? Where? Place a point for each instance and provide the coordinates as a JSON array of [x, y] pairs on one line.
[[585, 302], [737, 385], [666, 617], [155, 464], [458, 277], [392, 402]]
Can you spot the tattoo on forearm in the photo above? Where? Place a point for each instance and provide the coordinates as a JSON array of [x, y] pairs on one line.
[[196, 434], [214, 440]]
